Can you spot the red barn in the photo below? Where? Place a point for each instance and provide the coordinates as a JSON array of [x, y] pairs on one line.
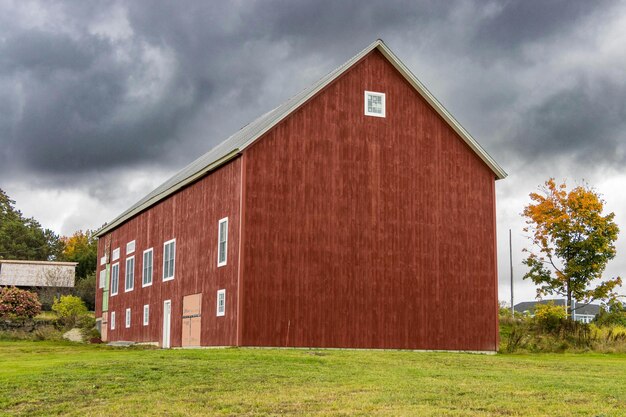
[[358, 214]]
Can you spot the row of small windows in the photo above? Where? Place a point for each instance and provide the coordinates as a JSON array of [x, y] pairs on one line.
[[127, 317], [220, 312], [169, 262]]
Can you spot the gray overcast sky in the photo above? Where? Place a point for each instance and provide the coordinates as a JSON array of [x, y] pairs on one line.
[[102, 101]]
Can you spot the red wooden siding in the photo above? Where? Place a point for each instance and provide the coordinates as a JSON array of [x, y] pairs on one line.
[[191, 217], [368, 232]]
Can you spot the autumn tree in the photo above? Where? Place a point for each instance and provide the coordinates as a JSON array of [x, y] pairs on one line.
[[572, 243], [81, 247]]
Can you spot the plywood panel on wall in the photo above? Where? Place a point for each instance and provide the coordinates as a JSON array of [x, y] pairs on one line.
[[192, 320], [365, 231]]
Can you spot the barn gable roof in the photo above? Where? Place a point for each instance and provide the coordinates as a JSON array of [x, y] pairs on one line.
[[246, 136]]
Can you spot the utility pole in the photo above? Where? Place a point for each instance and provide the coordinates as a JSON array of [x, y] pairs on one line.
[[511, 263]]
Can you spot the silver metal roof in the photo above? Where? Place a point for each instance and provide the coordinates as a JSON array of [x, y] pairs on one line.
[[239, 141]]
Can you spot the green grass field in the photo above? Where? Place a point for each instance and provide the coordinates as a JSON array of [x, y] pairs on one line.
[[57, 378]]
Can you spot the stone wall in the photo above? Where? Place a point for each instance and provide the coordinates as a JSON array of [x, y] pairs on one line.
[[25, 325]]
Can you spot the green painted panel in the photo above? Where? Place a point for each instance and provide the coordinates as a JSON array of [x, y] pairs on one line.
[[105, 293]]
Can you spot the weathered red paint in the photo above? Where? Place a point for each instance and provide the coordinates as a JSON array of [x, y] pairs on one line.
[[368, 232], [355, 231]]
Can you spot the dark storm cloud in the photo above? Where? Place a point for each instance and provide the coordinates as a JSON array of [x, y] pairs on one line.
[[96, 87], [72, 107], [585, 124], [516, 23]]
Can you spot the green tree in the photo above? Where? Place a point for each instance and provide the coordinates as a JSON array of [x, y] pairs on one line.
[[612, 314], [572, 243], [86, 290], [24, 238]]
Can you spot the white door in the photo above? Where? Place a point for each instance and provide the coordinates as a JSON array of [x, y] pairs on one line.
[[167, 320]]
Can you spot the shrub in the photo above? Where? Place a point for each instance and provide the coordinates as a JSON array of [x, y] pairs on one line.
[[86, 290], [69, 308], [93, 336], [549, 316], [613, 314], [86, 322], [16, 303]]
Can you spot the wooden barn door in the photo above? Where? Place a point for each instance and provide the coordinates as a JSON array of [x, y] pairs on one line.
[[191, 320]]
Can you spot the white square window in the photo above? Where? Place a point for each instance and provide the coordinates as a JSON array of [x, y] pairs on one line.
[[221, 303], [103, 260], [129, 280], [115, 278], [127, 318], [374, 104], [169, 259], [222, 241], [112, 320], [146, 314], [116, 254], [130, 247], [146, 276]]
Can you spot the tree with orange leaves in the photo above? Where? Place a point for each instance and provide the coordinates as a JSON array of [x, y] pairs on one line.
[[572, 243], [81, 247]]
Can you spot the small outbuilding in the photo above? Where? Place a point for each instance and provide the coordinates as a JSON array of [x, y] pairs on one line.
[[28, 274]]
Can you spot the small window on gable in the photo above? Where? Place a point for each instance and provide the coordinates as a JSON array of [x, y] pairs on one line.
[[146, 314], [221, 303], [374, 104], [116, 254], [130, 247]]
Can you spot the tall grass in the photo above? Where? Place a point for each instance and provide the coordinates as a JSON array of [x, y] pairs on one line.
[[528, 334]]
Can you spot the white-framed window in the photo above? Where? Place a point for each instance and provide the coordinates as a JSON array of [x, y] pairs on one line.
[[130, 247], [116, 254], [115, 278], [103, 260], [146, 275], [221, 303], [127, 318], [112, 320], [222, 241], [129, 279], [169, 259], [146, 314], [374, 104], [103, 276]]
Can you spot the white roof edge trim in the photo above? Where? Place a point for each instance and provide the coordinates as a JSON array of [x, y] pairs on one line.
[[250, 133], [443, 112], [413, 80]]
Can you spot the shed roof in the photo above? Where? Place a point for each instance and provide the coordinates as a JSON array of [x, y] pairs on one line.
[[239, 141], [52, 263], [581, 308]]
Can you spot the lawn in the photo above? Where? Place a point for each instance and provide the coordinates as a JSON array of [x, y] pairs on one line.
[[61, 378]]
